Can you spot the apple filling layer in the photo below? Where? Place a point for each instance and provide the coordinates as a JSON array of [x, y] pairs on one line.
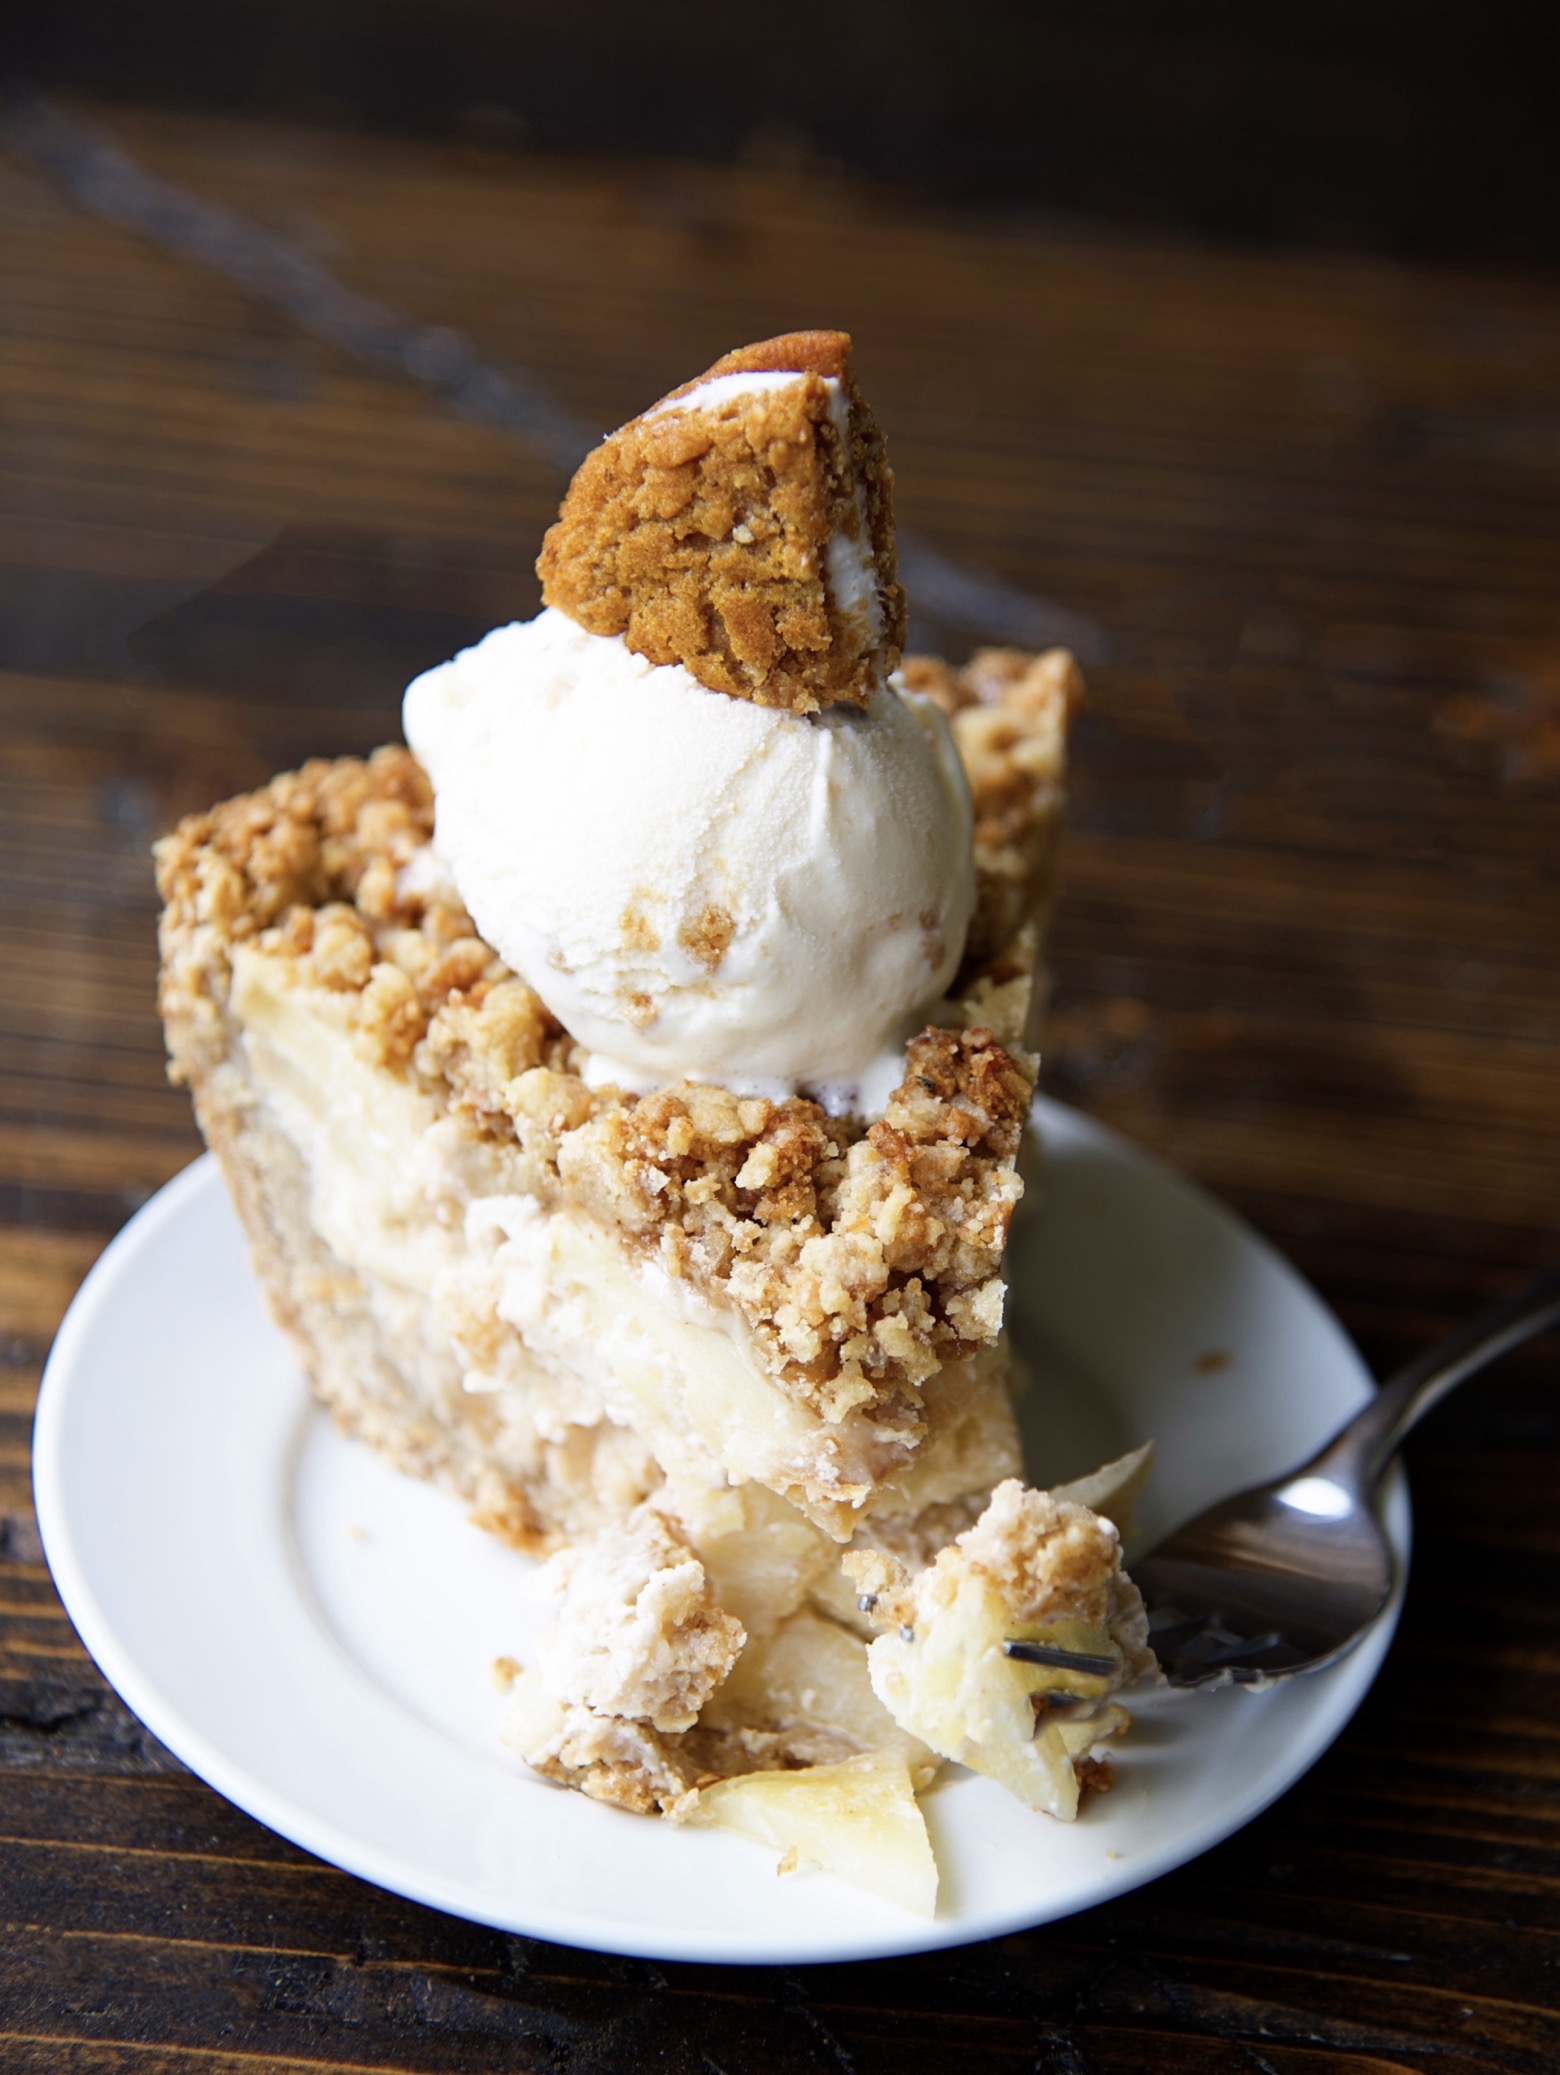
[[561, 1321]]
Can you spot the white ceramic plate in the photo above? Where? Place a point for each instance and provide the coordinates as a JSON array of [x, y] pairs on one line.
[[313, 1633]]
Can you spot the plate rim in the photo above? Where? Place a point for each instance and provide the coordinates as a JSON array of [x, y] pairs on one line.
[[1349, 1680]]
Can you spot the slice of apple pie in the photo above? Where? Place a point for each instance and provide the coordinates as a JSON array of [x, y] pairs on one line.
[[623, 1097]]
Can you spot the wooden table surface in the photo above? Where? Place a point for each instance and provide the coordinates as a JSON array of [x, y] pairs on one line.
[[1309, 950]]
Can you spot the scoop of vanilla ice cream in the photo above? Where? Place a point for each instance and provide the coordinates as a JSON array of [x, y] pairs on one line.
[[699, 887]]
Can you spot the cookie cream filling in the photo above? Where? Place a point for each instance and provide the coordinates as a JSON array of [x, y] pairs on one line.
[[852, 567], [720, 390]]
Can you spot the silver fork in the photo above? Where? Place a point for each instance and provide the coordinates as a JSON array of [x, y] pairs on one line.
[[1286, 1577]]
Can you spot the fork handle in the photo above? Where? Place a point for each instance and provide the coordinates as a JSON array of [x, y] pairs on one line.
[[1360, 1451]]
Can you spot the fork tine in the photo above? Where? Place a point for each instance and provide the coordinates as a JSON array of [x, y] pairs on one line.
[[1204, 1658], [1236, 1647], [1057, 1703], [1059, 1659], [1170, 1638], [1213, 1640]]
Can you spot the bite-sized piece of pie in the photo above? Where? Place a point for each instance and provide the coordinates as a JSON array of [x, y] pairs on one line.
[[1003, 1653], [623, 1096]]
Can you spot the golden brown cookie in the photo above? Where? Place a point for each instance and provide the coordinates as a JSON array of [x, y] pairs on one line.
[[744, 528]]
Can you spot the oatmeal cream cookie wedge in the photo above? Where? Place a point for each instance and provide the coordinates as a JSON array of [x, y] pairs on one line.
[[743, 527]]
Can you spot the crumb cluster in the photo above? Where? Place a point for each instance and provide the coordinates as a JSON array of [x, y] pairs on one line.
[[701, 534], [1009, 710], [636, 1631], [635, 1649]]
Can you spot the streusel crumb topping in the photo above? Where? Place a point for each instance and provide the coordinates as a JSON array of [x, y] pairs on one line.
[[861, 1257], [701, 532], [1009, 710]]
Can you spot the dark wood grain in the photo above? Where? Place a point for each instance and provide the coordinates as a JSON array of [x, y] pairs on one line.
[[1323, 123], [1309, 950]]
